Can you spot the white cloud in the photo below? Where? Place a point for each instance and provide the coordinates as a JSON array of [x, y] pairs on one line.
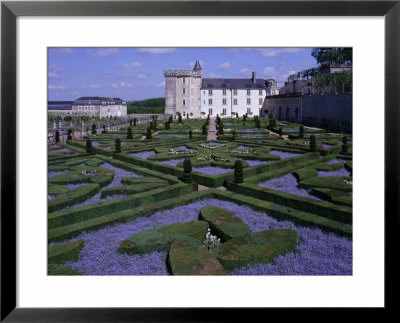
[[75, 92], [154, 50], [123, 85], [269, 52], [162, 84], [225, 66], [57, 87], [107, 51], [130, 65], [213, 75], [269, 70], [61, 51], [244, 71], [141, 76], [94, 86], [273, 52]]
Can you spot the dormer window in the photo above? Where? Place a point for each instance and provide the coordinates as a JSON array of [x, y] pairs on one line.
[[183, 80]]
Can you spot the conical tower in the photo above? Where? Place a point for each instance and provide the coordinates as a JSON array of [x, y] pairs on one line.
[[197, 66]]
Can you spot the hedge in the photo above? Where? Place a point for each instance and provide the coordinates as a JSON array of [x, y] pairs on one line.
[[59, 254]]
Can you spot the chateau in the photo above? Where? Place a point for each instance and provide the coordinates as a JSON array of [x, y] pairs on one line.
[[187, 93]]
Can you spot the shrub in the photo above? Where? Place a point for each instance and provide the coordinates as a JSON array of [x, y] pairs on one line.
[[258, 123], [187, 171], [301, 132], [345, 145], [134, 121], [117, 146], [148, 133], [69, 135], [204, 130], [237, 115], [190, 134], [179, 118], [233, 134], [170, 119], [129, 133], [340, 127], [104, 129], [238, 173], [94, 131], [221, 128], [244, 117], [89, 147], [313, 143], [130, 123], [166, 125], [57, 136], [280, 132], [151, 125]]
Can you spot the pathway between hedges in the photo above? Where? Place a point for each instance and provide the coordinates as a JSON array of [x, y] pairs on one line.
[[212, 130]]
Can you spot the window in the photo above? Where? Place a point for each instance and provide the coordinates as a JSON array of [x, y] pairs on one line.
[[183, 80], [224, 112], [260, 101], [210, 101], [234, 101], [184, 102], [210, 112], [234, 92], [224, 101], [248, 92], [209, 92], [184, 91], [224, 92], [248, 101], [248, 110], [260, 92]]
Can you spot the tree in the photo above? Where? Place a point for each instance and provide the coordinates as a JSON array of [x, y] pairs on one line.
[[204, 130], [104, 129], [130, 122], [69, 134], [89, 147], [280, 132], [129, 133], [345, 145], [148, 133], [313, 143], [301, 132], [233, 134], [134, 121], [187, 171], [179, 118], [238, 172], [117, 145], [190, 134], [57, 137], [94, 131], [335, 55], [258, 124], [166, 125]]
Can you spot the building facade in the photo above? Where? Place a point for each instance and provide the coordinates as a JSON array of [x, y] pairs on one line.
[[186, 92], [59, 107], [100, 106]]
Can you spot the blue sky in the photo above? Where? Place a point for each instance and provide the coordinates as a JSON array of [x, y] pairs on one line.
[[137, 73]]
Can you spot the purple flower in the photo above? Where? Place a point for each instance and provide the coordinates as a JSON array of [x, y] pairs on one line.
[[210, 143], [255, 162], [288, 184], [242, 147], [55, 173], [282, 154], [326, 146], [335, 161], [143, 154], [183, 148], [171, 162], [211, 170], [341, 172], [73, 186], [318, 252]]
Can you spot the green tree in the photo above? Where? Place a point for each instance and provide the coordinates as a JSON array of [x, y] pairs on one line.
[[134, 121], [69, 134], [345, 145], [335, 55], [280, 132], [57, 137], [301, 132], [148, 133], [129, 133], [190, 134], [94, 131], [187, 171], [89, 147], [204, 130], [238, 171], [313, 143], [117, 149]]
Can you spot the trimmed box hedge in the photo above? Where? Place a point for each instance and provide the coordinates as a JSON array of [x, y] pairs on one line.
[[59, 254]]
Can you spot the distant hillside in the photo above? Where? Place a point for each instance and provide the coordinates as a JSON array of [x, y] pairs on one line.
[[151, 106]]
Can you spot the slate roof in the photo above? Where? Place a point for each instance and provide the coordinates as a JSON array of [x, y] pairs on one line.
[[59, 105], [197, 66], [96, 100], [232, 84]]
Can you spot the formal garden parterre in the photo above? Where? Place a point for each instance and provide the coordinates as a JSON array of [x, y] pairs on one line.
[[267, 197]]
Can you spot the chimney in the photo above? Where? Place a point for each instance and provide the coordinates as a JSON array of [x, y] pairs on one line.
[[253, 77]]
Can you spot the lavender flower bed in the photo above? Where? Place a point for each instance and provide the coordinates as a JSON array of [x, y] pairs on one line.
[[248, 130], [255, 136], [255, 162], [282, 154], [335, 161], [54, 173], [283, 124], [211, 170], [290, 130], [169, 136], [341, 172], [318, 253], [61, 150], [171, 162], [118, 174], [95, 143], [143, 154], [288, 184], [212, 143], [228, 124], [242, 147], [326, 146], [73, 186]]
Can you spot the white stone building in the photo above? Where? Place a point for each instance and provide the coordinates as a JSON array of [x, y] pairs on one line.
[[187, 92], [100, 106]]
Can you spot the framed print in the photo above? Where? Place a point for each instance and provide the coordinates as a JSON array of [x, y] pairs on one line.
[[211, 142]]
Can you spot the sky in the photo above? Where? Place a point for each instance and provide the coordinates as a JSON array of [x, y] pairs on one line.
[[137, 73]]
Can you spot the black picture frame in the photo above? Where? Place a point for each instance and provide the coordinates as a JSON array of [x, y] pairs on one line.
[[10, 10]]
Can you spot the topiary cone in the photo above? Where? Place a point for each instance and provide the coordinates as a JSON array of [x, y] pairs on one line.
[[238, 173]]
